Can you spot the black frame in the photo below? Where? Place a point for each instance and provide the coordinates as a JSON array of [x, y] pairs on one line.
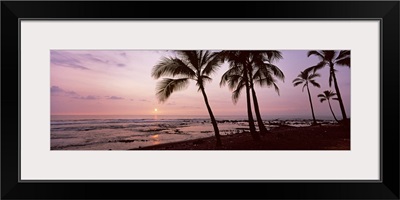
[[386, 11]]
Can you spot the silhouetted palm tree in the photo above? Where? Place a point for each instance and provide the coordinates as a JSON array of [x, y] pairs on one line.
[[306, 78], [262, 72], [237, 78], [330, 59], [189, 65], [258, 68], [326, 96]]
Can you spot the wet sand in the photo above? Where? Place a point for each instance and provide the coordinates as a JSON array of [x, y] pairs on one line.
[[327, 137]]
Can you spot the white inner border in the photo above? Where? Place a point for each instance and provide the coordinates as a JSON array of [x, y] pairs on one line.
[[39, 163]]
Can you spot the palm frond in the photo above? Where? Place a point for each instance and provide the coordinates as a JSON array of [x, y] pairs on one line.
[[236, 93], [319, 66], [213, 63], [343, 54], [329, 55], [331, 94], [303, 87], [337, 99], [274, 55], [204, 57], [297, 83], [314, 75], [314, 83], [167, 86], [171, 67], [230, 73], [191, 57], [328, 94], [276, 88], [298, 79], [277, 72], [267, 81], [234, 81], [316, 53], [344, 62], [322, 100]]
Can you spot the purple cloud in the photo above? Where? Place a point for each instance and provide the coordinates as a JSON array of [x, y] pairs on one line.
[[115, 98], [77, 59], [65, 59], [55, 90], [90, 57], [89, 97]]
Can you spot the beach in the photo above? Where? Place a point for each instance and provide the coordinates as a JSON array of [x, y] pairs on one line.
[[330, 137], [180, 133], [141, 132]]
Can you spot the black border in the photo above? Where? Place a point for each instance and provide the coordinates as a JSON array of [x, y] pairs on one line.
[[386, 11]]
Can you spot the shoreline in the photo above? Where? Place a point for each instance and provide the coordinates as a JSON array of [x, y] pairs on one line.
[[328, 137]]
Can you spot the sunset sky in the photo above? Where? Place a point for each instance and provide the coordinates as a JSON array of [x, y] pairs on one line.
[[95, 82]]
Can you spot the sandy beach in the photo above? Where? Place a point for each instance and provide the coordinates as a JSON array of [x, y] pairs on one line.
[[327, 137]]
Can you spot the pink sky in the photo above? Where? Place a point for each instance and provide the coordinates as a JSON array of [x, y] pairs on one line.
[[119, 83]]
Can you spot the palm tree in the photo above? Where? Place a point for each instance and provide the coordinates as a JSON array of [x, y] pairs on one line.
[[330, 59], [251, 67], [237, 79], [189, 65], [262, 72], [306, 78], [326, 96]]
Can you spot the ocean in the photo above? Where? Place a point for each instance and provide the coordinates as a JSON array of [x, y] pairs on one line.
[[124, 132]]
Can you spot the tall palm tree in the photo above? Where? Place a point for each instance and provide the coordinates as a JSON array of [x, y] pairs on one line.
[[262, 72], [237, 79], [330, 59], [306, 78], [326, 96], [188, 65]]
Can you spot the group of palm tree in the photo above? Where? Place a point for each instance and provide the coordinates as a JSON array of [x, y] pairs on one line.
[[246, 69], [330, 59]]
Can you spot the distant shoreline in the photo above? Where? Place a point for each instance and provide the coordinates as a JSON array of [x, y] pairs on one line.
[[188, 117]]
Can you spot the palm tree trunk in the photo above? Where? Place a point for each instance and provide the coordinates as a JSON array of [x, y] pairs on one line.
[[213, 121], [261, 126], [338, 94], [332, 110], [312, 108], [253, 132], [260, 122]]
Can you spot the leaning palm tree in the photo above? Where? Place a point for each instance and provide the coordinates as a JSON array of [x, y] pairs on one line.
[[306, 78], [326, 96], [188, 65], [237, 79], [330, 59]]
